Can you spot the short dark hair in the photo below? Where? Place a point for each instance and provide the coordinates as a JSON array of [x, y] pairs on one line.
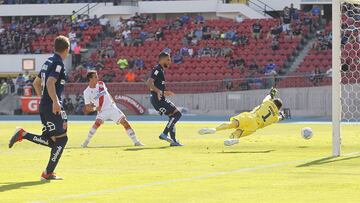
[[90, 74], [163, 55], [278, 103], [61, 44]]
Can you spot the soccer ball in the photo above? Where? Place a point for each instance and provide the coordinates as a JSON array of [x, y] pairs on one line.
[[306, 133]]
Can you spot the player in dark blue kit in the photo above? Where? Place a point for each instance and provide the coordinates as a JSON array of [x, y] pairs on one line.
[[156, 84], [49, 85]]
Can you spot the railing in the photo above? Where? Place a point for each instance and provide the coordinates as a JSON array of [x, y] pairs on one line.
[[86, 9], [263, 7]]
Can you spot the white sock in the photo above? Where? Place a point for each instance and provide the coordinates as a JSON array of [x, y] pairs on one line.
[[91, 134], [132, 135]]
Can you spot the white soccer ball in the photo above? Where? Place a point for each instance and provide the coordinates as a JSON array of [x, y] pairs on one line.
[[306, 133]]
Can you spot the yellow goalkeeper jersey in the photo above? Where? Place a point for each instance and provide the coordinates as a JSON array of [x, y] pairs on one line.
[[267, 113]]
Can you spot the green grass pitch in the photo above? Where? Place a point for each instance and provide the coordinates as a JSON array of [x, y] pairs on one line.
[[273, 165]]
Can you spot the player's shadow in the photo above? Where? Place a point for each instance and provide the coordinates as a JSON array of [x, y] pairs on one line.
[[248, 152], [145, 148], [99, 147], [14, 186], [327, 160]]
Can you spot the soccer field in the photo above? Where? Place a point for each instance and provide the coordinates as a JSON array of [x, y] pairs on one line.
[[273, 165]]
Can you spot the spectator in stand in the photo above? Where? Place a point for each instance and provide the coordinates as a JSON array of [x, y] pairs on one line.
[[119, 24], [308, 21], [159, 35], [316, 11], [77, 55], [275, 45], [275, 31], [20, 82], [79, 104], [3, 89], [270, 68], [215, 52], [68, 105], [297, 29], [256, 30], [243, 39], [231, 63], [253, 67], [139, 63], [184, 19], [270, 72], [73, 17], [206, 33], [105, 23], [215, 33], [191, 52], [127, 37], [123, 63], [240, 64], [110, 53], [198, 34], [130, 76], [316, 76], [177, 58], [239, 18], [226, 52], [26, 76], [286, 20], [199, 19]]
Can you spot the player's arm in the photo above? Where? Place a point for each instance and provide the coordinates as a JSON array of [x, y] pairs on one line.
[[50, 85], [89, 106], [37, 86], [272, 94], [151, 85], [169, 93]]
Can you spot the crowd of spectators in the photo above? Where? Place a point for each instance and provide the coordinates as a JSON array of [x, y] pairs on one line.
[[18, 33]]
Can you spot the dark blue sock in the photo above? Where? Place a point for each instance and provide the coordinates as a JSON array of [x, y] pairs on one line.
[[173, 133], [172, 121], [55, 154]]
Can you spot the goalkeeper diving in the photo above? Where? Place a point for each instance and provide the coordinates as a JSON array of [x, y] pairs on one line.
[[247, 123]]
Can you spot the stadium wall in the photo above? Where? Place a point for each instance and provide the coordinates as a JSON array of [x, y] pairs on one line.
[[13, 63], [309, 102]]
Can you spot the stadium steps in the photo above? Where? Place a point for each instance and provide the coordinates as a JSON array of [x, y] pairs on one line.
[[302, 54]]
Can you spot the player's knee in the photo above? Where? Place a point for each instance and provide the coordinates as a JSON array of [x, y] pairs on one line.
[[97, 123], [177, 115], [125, 123]]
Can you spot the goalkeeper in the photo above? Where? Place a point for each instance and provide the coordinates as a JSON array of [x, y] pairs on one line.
[[247, 123]]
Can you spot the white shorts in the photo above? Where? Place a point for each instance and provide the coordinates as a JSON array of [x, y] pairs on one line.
[[286, 27], [113, 113]]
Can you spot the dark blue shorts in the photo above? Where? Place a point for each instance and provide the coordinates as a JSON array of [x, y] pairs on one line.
[[164, 106], [53, 125]]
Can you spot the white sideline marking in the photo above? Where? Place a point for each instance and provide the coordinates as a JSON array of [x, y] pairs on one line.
[[190, 179]]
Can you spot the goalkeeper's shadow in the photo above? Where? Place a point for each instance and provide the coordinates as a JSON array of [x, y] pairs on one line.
[[327, 160], [17, 185]]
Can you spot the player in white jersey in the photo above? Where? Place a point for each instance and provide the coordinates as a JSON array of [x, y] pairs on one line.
[[97, 98]]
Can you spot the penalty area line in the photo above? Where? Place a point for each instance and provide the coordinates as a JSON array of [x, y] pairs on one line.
[[179, 180]]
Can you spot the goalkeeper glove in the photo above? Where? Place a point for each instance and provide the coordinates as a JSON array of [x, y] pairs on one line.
[[282, 116], [273, 93]]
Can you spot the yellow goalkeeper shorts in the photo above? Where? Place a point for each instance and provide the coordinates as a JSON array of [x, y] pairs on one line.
[[247, 122]]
